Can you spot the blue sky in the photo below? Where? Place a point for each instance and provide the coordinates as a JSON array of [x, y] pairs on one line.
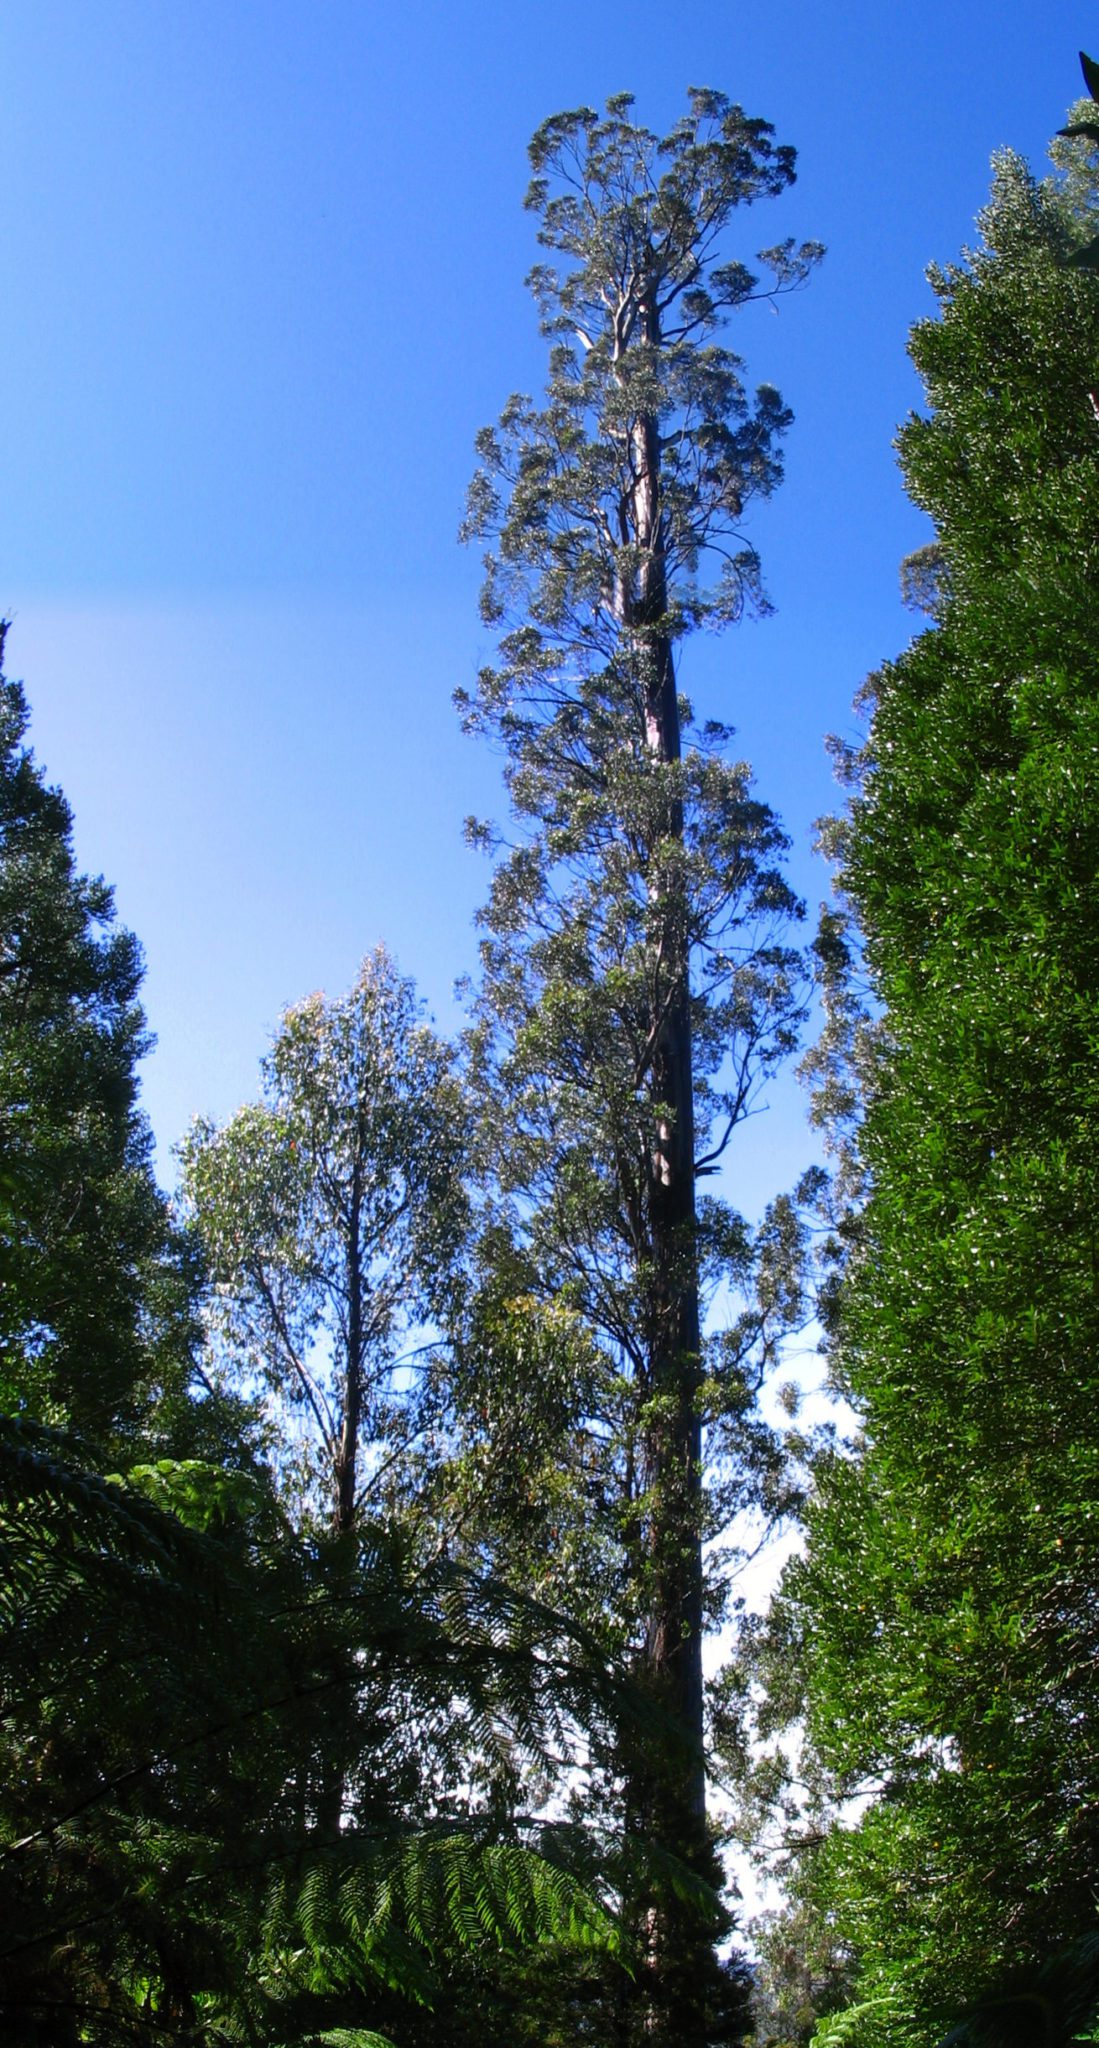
[[263, 269]]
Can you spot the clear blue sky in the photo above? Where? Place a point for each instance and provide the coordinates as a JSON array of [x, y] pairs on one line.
[[263, 268]]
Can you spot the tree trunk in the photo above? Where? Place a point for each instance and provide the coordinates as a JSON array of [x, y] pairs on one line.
[[669, 1789], [344, 1563], [346, 1463], [678, 1944]]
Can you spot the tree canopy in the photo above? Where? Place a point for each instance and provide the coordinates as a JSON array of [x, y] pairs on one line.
[[331, 1213], [89, 1265], [943, 1617], [363, 1517]]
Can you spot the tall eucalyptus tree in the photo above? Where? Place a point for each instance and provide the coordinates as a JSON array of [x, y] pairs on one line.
[[636, 986]]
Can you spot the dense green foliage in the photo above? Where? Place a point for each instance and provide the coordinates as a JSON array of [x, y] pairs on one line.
[[88, 1266], [177, 1678], [944, 1617]]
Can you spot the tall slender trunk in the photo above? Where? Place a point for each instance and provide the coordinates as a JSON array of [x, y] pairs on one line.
[[670, 1798], [346, 1463], [344, 1563]]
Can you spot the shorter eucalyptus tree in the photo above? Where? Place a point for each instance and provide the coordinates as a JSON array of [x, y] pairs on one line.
[[331, 1212]]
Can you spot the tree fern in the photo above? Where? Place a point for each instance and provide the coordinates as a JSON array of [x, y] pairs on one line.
[[163, 1724]]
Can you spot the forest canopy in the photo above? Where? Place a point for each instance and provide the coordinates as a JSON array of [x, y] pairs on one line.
[[375, 1670]]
